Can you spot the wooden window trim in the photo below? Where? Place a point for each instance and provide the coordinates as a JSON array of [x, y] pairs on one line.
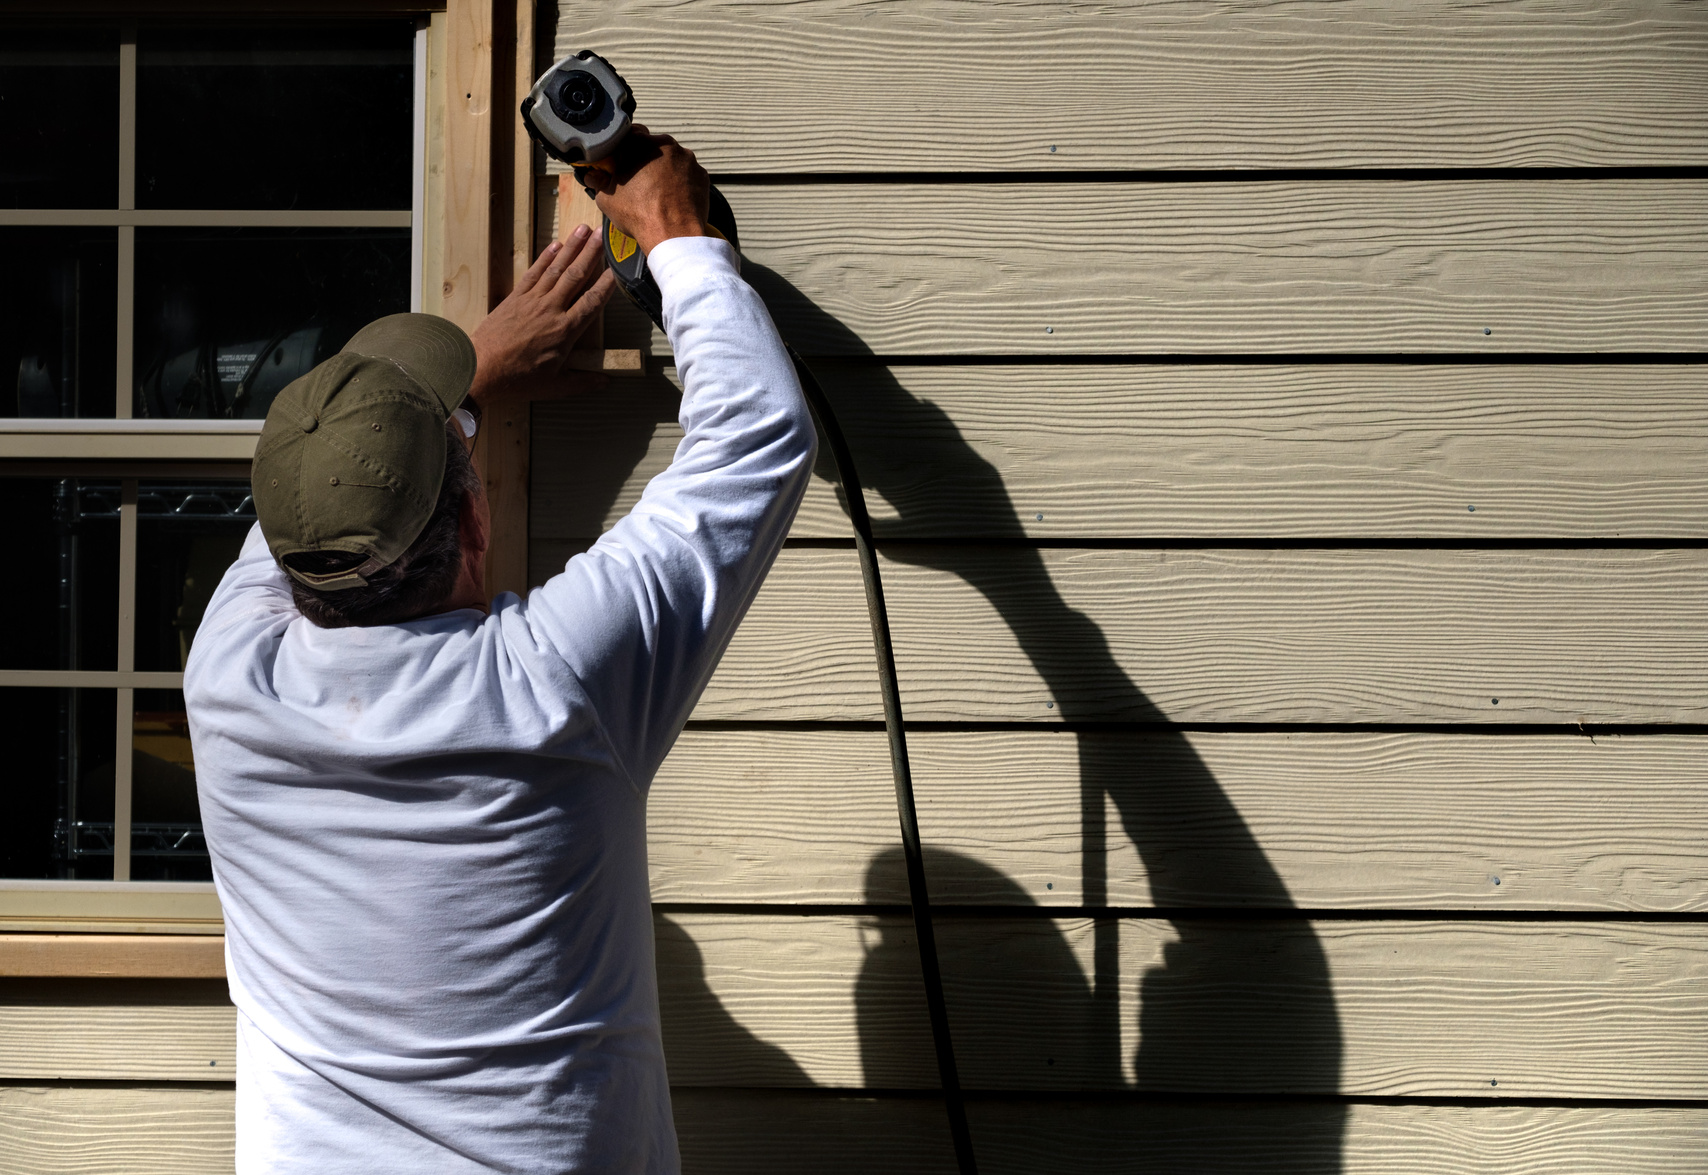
[[112, 956], [110, 907]]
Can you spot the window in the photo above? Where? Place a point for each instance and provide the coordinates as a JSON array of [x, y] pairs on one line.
[[194, 216]]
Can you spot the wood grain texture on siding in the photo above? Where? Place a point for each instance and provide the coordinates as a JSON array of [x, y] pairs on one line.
[[955, 85], [1237, 451], [1314, 1139], [117, 1030], [760, 1133], [785, 1001], [1314, 820], [188, 1130], [1238, 635], [1425, 1008], [1246, 1006], [1273, 267], [101, 1130]]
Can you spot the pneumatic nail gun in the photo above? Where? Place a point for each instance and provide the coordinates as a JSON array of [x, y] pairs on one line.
[[579, 111]]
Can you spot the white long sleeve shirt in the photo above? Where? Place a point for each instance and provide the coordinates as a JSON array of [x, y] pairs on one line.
[[429, 839]]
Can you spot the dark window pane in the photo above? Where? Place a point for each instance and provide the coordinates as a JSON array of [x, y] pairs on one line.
[[187, 534], [276, 118], [225, 318], [58, 784], [62, 607], [59, 119], [166, 820], [58, 321]]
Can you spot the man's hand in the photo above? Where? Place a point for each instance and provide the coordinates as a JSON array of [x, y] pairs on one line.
[[655, 191], [527, 339]]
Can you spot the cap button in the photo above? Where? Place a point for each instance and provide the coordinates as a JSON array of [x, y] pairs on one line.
[[313, 423]]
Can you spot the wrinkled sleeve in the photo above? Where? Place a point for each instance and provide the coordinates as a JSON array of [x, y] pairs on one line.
[[643, 616]]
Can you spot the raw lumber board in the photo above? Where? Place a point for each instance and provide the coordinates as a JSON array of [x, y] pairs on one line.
[[465, 223], [1172, 451], [118, 956], [1125, 1138], [117, 1029], [1271, 820], [1271, 267], [759, 1132], [1234, 1007], [1595, 636], [957, 85], [95, 1130]]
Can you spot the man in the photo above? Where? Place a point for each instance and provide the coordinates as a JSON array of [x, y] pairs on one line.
[[427, 818]]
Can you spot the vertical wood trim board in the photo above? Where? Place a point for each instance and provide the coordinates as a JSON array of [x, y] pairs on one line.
[[478, 258], [435, 289], [468, 161]]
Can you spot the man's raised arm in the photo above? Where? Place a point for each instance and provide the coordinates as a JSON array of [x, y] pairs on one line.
[[643, 617]]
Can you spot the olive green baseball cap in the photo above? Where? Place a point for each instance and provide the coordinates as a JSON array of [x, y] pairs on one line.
[[352, 455]]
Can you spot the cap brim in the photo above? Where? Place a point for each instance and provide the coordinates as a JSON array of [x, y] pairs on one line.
[[433, 351]]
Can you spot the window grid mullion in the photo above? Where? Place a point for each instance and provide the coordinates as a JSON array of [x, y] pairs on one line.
[[124, 352], [127, 117], [126, 708]]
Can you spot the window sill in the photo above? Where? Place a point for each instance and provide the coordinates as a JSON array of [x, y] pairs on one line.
[[124, 908], [52, 439]]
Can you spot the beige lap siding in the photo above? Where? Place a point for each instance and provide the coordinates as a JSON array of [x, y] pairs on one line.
[[1333, 635], [1187, 452], [967, 85], [1379, 821], [1271, 267], [1231, 486], [1270, 485]]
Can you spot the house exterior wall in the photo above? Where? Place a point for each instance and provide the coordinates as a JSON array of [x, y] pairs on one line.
[[1284, 430]]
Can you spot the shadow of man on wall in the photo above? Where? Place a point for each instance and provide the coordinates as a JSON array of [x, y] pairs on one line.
[[1240, 1003]]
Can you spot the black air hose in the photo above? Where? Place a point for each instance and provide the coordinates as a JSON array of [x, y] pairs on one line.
[[918, 896]]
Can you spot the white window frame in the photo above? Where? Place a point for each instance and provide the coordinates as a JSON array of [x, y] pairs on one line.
[[131, 450]]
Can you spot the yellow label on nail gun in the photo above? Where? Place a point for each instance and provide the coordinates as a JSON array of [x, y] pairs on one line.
[[622, 245]]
